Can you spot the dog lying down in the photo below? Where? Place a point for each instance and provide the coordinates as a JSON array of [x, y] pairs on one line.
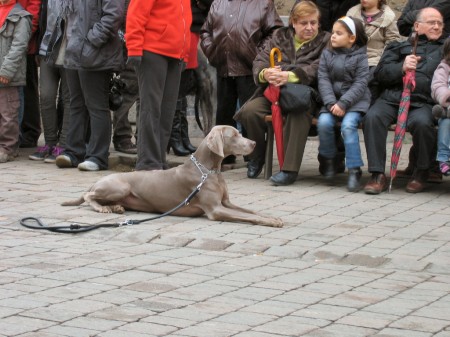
[[161, 190]]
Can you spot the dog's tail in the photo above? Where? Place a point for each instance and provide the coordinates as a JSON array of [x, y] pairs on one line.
[[76, 202]]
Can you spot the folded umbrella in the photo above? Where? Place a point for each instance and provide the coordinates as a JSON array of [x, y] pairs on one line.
[[409, 84], [272, 93]]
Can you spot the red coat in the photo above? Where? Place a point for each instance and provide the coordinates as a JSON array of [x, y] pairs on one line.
[[161, 27], [33, 7]]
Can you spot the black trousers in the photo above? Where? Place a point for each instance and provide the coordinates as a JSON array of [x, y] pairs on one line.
[[159, 82], [420, 124], [230, 91], [89, 134], [31, 121]]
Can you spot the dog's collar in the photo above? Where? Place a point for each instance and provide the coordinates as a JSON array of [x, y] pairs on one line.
[[203, 170]]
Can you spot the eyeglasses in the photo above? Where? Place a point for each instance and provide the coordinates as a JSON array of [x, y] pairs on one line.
[[433, 23]]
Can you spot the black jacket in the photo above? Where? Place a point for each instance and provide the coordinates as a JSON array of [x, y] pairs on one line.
[[200, 9], [390, 76]]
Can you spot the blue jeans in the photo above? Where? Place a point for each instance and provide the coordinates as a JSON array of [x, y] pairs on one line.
[[443, 144], [349, 131]]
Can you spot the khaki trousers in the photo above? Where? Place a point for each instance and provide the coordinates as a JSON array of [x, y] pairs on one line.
[[9, 119], [295, 132]]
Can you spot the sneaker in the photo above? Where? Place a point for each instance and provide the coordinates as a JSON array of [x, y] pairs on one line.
[[444, 167], [57, 150], [88, 165], [41, 153], [64, 161]]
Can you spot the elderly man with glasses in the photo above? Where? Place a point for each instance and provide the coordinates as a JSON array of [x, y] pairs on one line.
[[396, 60]]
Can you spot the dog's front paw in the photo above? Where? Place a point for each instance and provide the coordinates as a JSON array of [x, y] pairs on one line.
[[117, 209], [277, 222]]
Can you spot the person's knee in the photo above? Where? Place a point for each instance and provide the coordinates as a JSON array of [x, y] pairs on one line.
[[325, 122]]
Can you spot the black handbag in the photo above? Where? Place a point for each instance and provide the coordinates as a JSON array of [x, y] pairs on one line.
[[54, 43], [296, 98]]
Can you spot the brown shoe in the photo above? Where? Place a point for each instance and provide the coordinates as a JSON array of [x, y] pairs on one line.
[[418, 182], [376, 184]]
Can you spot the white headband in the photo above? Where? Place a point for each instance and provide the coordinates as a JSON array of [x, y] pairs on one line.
[[350, 23]]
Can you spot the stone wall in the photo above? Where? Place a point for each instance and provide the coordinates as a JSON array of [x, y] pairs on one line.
[[284, 6]]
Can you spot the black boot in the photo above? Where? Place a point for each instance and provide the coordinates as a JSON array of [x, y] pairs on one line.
[[184, 128], [354, 177], [175, 137], [329, 171]]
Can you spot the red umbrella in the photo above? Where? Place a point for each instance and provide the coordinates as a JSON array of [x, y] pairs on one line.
[[272, 93], [409, 84]]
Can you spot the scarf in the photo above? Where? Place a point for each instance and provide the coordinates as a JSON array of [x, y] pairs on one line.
[[4, 11]]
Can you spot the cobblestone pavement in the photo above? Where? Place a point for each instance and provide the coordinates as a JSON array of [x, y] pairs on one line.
[[345, 264]]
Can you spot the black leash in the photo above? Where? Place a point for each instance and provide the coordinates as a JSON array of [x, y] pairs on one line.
[[76, 228]]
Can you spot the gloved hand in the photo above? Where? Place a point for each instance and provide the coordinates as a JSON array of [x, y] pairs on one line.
[[134, 61]]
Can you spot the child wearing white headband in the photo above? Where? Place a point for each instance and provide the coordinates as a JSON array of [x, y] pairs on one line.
[[343, 76]]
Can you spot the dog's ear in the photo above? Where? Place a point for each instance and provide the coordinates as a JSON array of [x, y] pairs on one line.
[[214, 141]]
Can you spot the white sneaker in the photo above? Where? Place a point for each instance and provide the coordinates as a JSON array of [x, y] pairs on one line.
[[3, 157], [88, 165]]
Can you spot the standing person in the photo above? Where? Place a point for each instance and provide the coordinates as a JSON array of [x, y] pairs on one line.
[[15, 32], [343, 77], [440, 91], [394, 63], [158, 56], [122, 130], [301, 45], [179, 137], [331, 10], [52, 83], [29, 116], [230, 38], [93, 50], [381, 29], [409, 13]]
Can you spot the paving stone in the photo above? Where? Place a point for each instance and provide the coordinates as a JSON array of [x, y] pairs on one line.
[[144, 327], [209, 244], [424, 324]]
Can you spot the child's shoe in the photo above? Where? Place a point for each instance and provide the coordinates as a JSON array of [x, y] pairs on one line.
[[41, 153], [329, 172], [444, 167], [57, 150], [354, 177]]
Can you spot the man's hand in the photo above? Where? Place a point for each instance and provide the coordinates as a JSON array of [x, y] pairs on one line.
[[410, 63]]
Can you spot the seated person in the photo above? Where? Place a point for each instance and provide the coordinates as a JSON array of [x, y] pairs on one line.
[[301, 45], [396, 60]]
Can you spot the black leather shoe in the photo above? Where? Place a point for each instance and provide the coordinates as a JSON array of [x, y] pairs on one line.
[[254, 168], [284, 178], [354, 177]]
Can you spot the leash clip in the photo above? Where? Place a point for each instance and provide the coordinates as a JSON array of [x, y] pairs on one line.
[[127, 222]]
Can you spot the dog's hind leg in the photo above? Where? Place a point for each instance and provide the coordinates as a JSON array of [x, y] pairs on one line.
[[91, 199]]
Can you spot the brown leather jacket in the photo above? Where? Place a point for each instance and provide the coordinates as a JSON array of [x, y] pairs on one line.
[[233, 32]]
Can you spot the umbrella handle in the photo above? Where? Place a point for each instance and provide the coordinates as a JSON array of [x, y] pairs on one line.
[[274, 51], [413, 39]]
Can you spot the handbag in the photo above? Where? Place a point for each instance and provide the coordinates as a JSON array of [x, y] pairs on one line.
[[54, 43], [296, 98]]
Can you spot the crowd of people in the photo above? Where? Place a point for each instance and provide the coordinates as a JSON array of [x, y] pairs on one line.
[[353, 54]]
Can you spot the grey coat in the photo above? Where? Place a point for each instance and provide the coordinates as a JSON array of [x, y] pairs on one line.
[[14, 36], [343, 77], [92, 30]]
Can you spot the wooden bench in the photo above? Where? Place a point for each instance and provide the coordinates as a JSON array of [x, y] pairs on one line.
[[270, 141]]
